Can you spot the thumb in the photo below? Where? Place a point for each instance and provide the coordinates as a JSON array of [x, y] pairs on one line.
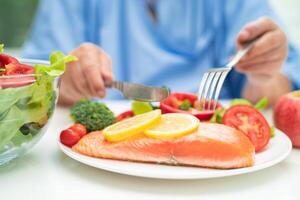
[[255, 29]]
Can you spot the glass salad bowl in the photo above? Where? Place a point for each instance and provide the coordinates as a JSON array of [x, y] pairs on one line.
[[27, 104]]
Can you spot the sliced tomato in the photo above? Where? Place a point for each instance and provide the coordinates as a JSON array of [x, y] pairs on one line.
[[15, 69], [125, 115], [172, 103], [251, 122]]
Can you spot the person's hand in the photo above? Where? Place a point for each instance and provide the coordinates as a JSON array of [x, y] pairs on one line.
[[264, 61], [86, 77]]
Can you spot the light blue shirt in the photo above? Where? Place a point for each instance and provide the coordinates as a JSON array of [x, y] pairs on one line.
[[188, 37]]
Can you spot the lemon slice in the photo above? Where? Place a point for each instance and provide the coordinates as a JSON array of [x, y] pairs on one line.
[[129, 127], [173, 125]]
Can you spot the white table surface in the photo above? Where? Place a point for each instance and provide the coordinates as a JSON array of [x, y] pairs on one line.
[[46, 173]]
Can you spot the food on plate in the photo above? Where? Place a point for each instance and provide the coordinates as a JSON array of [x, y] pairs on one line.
[[132, 126], [173, 125], [72, 135], [28, 97], [250, 121], [177, 137], [185, 103], [212, 145], [93, 114], [287, 116]]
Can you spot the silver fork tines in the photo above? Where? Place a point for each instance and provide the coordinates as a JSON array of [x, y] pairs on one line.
[[210, 87], [213, 79]]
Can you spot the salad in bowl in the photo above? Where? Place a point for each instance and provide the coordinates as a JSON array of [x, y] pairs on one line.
[[28, 95]]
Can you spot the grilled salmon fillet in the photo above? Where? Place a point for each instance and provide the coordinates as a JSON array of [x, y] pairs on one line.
[[212, 146]]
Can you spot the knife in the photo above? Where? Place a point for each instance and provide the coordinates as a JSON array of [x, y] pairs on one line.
[[139, 92]]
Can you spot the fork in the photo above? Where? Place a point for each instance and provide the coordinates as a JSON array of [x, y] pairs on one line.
[[212, 80], [139, 92]]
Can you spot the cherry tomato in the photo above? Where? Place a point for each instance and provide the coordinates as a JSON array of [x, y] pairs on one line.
[[125, 115], [251, 122], [79, 128], [172, 103], [69, 137]]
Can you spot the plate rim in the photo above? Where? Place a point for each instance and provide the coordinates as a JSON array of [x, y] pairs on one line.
[[94, 162]]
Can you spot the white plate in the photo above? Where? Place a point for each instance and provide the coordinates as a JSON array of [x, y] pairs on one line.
[[277, 150]]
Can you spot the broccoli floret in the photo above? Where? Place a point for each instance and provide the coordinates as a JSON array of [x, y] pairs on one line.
[[185, 105], [94, 115]]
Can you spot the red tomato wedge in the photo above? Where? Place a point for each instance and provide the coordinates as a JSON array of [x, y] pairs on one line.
[[251, 122]]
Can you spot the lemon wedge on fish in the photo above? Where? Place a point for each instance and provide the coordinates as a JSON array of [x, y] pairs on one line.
[[129, 127], [173, 125]]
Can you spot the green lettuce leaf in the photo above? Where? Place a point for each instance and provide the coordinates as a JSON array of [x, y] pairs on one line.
[[10, 125], [20, 138], [58, 62]]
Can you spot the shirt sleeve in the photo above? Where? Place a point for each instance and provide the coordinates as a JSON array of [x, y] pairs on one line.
[[236, 14], [59, 25]]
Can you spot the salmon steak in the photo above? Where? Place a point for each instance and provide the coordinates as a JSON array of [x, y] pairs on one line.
[[211, 146]]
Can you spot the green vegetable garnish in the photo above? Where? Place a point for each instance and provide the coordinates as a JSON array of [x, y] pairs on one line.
[[272, 131], [240, 102], [25, 110], [139, 107], [185, 105], [94, 115], [218, 116], [1, 48], [262, 104]]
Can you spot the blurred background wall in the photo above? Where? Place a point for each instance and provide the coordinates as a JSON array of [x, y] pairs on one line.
[[16, 17]]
